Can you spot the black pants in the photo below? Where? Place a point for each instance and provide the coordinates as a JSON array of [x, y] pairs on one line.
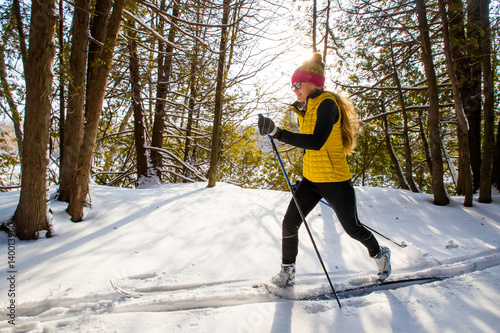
[[341, 197]]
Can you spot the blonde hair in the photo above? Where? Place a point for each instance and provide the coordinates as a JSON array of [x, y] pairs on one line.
[[349, 124]]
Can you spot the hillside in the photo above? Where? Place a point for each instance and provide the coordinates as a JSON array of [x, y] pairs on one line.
[[194, 254]]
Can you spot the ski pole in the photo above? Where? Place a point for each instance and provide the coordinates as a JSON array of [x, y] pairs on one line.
[[402, 244], [302, 216]]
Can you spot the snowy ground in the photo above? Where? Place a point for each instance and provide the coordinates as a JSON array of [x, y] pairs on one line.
[[195, 252]]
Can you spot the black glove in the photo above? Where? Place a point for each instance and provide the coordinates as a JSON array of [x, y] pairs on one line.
[[266, 126]]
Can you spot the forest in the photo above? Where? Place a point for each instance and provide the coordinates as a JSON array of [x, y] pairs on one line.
[[137, 93]]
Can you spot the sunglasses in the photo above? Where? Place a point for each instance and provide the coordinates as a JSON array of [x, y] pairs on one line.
[[297, 85]]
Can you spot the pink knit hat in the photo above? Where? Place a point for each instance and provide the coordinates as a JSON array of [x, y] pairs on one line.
[[312, 70]]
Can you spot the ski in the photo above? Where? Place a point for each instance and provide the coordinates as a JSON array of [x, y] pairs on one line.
[[385, 285], [126, 293], [308, 292]]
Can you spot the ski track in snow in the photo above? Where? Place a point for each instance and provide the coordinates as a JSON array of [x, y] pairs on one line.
[[170, 298]]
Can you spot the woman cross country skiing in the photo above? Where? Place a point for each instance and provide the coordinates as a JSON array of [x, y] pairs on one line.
[[328, 126]]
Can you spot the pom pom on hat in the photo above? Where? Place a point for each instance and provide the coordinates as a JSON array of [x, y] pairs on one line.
[[312, 70]]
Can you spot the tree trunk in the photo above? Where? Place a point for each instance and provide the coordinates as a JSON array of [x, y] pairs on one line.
[[451, 167], [489, 104], [76, 97], [193, 93], [408, 154], [425, 142], [214, 154], [462, 120], [472, 87], [458, 48], [394, 159], [62, 86], [31, 215], [98, 29], [139, 130], [466, 59], [161, 91], [164, 72], [96, 83], [440, 195]]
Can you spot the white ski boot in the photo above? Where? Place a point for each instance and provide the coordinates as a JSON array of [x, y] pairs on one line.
[[383, 261], [286, 277]]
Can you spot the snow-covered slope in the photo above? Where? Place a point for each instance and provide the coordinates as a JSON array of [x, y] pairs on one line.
[[195, 252]]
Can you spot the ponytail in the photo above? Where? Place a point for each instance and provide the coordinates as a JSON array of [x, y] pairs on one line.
[[349, 124]]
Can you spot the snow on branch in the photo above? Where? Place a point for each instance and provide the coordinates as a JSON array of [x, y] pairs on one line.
[[189, 167], [148, 28], [164, 16]]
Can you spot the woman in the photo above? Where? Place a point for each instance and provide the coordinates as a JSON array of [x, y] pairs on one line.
[[327, 133]]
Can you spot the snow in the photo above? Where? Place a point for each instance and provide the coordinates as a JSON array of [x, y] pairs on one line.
[[194, 253]]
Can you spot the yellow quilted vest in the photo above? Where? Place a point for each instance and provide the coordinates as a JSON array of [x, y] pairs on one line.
[[329, 164]]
